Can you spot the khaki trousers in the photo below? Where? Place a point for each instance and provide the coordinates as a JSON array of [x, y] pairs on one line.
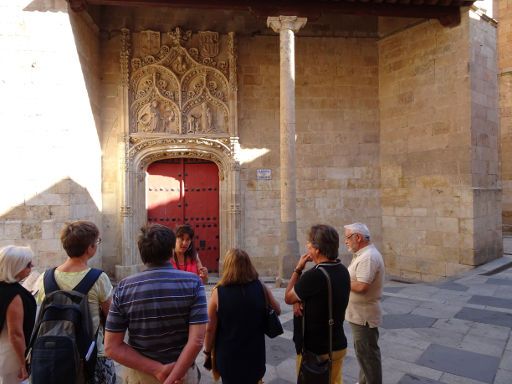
[[131, 376], [337, 365]]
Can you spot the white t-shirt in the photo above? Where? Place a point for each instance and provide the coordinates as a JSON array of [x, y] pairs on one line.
[[367, 266]]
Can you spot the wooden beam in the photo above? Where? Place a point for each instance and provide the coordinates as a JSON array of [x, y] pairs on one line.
[[447, 14]]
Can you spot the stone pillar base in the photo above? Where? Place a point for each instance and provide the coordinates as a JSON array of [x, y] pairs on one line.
[[123, 271]]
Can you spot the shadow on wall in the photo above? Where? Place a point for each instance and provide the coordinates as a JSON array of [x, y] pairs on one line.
[[38, 221]]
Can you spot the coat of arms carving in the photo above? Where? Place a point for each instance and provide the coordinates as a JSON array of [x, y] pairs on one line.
[[208, 43]]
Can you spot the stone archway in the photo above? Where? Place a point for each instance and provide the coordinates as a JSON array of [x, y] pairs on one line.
[[145, 152]]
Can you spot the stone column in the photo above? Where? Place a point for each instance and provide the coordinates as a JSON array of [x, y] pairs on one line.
[[287, 26]]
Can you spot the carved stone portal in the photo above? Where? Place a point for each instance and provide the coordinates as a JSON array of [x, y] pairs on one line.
[[182, 83]]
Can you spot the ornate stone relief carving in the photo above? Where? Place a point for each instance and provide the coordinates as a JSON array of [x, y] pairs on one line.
[[182, 83]]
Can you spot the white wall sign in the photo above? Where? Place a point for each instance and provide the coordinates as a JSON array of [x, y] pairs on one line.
[[263, 174]]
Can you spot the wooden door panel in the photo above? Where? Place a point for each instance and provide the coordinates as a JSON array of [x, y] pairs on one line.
[[202, 210], [187, 191]]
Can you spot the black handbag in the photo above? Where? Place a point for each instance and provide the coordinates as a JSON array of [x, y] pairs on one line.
[[273, 327], [316, 369]]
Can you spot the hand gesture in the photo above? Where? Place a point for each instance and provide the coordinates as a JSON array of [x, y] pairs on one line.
[[164, 371], [203, 273]]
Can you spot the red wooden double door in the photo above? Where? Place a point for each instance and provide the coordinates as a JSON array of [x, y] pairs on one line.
[[182, 191]]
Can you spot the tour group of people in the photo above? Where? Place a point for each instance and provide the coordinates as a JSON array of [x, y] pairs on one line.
[[156, 322]]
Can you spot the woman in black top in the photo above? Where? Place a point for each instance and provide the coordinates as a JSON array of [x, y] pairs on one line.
[[237, 312], [17, 313], [309, 291]]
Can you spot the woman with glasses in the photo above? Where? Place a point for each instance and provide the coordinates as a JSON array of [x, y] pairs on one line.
[[185, 256], [80, 239], [17, 313]]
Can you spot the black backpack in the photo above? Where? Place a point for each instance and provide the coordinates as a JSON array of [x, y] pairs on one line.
[[63, 347]]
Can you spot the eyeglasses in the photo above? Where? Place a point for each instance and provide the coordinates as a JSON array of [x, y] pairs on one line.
[[348, 237], [98, 241]]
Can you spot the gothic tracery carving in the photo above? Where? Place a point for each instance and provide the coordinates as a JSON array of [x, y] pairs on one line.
[[181, 83]]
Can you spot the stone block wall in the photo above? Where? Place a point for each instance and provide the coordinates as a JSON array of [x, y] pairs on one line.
[[50, 95], [38, 221], [487, 192], [337, 127], [425, 138], [505, 100]]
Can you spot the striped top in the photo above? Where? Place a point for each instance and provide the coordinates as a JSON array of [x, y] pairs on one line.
[[156, 307]]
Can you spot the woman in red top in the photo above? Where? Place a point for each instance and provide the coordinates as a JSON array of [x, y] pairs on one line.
[[185, 255]]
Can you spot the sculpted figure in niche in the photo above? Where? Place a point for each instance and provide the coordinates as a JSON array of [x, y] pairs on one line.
[[207, 112], [150, 118], [169, 118], [180, 65], [193, 123]]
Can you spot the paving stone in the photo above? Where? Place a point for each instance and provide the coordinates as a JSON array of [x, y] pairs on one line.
[[392, 289], [287, 370], [482, 289], [270, 374], [414, 379], [406, 321], [451, 297], [506, 362], [491, 301], [277, 381], [497, 281], [441, 336], [451, 286], [489, 331], [448, 378], [456, 325], [399, 305], [278, 350], [405, 337], [437, 310], [288, 325], [503, 291], [483, 344], [485, 316], [503, 376], [409, 353], [390, 365], [461, 363]]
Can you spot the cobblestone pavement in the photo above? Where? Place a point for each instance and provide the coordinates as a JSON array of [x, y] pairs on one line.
[[453, 332]]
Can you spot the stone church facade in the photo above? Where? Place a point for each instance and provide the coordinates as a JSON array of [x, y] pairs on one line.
[[397, 124]]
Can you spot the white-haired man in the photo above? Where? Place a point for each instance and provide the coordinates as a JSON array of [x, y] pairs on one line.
[[364, 312]]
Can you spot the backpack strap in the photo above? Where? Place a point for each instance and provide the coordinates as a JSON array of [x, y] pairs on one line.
[[85, 285], [50, 284]]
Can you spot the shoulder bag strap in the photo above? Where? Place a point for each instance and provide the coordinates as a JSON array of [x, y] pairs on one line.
[[50, 284], [331, 319], [85, 285]]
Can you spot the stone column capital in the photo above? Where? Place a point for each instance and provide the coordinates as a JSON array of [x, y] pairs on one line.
[[293, 23]]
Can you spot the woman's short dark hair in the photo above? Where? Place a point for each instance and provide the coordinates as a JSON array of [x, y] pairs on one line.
[[156, 243], [77, 236], [326, 239], [186, 229]]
